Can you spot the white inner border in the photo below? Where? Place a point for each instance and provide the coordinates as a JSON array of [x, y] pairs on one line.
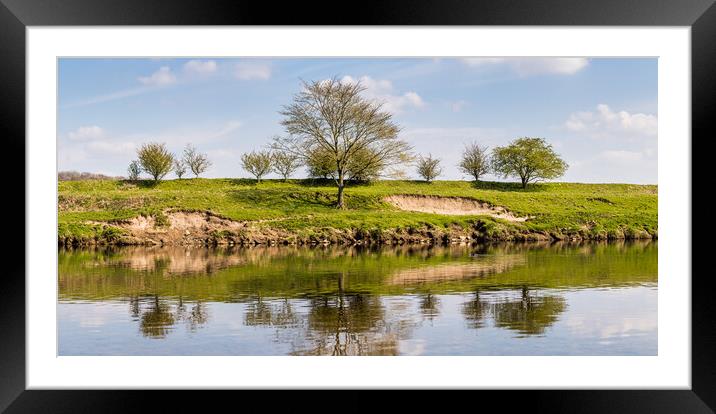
[[670, 369]]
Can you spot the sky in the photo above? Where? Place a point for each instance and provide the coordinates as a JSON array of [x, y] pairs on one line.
[[599, 114]]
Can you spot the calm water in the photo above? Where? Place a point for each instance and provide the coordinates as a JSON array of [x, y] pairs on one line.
[[512, 299]]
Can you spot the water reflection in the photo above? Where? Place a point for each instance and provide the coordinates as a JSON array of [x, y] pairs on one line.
[[352, 301], [157, 316]]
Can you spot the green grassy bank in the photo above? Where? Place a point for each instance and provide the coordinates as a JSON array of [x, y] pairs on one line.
[[303, 209]]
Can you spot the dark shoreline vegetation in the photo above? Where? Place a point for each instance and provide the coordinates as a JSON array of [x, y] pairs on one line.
[[302, 212]]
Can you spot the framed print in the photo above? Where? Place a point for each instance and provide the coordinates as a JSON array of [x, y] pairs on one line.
[[405, 201]]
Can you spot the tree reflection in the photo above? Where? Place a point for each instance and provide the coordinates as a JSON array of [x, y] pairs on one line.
[[157, 321], [347, 324], [260, 313], [530, 315], [429, 306], [475, 311], [340, 323]]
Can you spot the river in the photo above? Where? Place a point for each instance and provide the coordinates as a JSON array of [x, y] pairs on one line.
[[500, 299]]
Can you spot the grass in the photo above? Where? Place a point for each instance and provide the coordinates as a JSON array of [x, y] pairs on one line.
[[304, 205]]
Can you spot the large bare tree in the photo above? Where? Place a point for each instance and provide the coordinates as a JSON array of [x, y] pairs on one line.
[[330, 117]]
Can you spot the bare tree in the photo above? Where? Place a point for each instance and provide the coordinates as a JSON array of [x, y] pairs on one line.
[[330, 117], [258, 163], [134, 170], [475, 161], [285, 163], [179, 168], [197, 162], [429, 167], [155, 159]]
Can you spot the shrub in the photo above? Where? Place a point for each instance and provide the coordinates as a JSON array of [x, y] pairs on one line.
[[428, 167], [258, 163], [155, 160]]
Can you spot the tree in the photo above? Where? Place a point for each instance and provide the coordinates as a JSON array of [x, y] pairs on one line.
[[179, 167], [363, 167], [285, 163], [360, 168], [134, 170], [155, 160], [258, 163], [320, 164], [197, 162], [475, 161], [330, 117], [531, 159], [429, 167]]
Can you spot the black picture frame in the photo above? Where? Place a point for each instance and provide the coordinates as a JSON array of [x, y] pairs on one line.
[[16, 15]]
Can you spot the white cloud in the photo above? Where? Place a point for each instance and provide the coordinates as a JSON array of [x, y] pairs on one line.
[[92, 148], [533, 66], [84, 133], [111, 147], [622, 156], [382, 91], [252, 70], [606, 122], [457, 106], [228, 128], [109, 97], [200, 67], [163, 76], [178, 137]]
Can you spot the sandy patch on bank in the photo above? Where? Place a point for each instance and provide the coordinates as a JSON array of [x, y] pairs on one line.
[[174, 260], [452, 206], [183, 227], [482, 266]]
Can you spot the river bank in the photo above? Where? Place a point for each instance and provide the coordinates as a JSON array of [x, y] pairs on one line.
[[301, 212]]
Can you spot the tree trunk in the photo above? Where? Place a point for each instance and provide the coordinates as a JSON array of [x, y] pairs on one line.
[[341, 203], [524, 183]]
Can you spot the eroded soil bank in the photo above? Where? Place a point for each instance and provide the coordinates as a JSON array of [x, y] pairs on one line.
[[205, 228], [452, 206]]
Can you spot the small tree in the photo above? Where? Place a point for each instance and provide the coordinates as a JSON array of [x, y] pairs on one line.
[[179, 168], [197, 162], [429, 167], [475, 161], [134, 170], [530, 159], [365, 166], [285, 164], [155, 160], [258, 163], [320, 164]]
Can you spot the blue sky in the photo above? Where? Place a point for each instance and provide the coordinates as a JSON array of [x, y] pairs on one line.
[[600, 114]]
